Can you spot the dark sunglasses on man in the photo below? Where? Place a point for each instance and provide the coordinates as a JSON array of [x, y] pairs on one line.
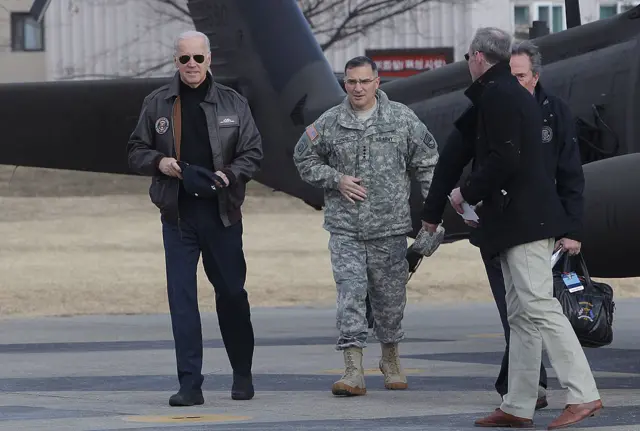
[[466, 56], [184, 59]]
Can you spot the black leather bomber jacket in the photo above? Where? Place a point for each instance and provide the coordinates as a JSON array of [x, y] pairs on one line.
[[234, 137]]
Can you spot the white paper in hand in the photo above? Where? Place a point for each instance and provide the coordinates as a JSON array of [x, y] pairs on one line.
[[555, 257], [469, 212]]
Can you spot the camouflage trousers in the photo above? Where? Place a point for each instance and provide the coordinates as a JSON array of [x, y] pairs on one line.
[[378, 267]]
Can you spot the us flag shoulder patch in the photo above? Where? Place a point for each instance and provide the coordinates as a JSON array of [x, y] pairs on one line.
[[312, 133]]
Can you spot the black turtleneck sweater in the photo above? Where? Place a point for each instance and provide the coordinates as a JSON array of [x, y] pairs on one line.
[[195, 148]]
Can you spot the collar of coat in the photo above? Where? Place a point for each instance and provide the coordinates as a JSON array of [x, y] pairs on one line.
[[540, 94], [498, 71], [174, 88], [348, 119]]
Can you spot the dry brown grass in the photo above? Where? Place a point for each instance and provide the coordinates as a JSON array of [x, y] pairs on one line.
[[85, 243]]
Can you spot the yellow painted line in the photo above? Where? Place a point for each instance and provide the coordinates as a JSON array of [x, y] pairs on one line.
[[496, 335], [369, 371], [185, 418]]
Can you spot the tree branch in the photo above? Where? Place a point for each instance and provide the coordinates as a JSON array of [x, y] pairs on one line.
[[338, 20], [158, 66], [331, 21], [172, 4], [313, 8], [365, 15], [170, 10]]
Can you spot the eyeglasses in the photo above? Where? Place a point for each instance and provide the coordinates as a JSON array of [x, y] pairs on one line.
[[184, 59], [466, 56], [354, 82]]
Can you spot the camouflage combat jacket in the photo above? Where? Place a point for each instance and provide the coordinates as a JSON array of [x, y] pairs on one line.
[[380, 151]]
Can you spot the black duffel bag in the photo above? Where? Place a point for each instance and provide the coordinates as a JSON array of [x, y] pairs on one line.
[[589, 310]]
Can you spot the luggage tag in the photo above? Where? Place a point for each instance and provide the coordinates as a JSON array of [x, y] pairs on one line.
[[572, 282]]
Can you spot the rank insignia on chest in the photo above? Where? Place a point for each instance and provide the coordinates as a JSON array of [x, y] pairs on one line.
[[312, 133]]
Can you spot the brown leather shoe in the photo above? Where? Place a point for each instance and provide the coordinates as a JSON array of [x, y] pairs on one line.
[[574, 413], [501, 419]]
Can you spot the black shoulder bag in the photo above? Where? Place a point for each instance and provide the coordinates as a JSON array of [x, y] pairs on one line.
[[590, 309]]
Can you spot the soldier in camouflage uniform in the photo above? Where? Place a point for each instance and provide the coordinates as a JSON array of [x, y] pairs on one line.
[[360, 152]]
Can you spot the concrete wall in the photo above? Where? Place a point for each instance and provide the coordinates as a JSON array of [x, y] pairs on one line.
[[18, 66]]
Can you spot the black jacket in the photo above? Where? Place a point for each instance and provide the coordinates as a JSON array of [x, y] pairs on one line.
[[560, 141], [235, 143], [501, 133]]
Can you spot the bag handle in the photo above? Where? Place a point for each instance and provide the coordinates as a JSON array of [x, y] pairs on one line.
[[565, 262], [582, 264], [585, 272]]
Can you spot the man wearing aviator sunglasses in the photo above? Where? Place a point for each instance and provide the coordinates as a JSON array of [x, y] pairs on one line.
[[198, 58], [197, 127]]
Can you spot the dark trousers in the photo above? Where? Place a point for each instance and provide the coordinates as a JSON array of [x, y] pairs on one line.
[[201, 231], [494, 273]]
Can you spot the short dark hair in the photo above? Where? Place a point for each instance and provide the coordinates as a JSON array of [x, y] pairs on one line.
[[360, 61]]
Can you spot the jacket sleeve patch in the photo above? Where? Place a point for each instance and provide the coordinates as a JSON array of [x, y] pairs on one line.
[[311, 131], [429, 141], [162, 125]]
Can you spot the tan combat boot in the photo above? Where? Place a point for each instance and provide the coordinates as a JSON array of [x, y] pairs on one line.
[[394, 377], [352, 381]]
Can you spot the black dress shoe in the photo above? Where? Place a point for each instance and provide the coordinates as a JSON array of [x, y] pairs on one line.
[[541, 403], [242, 388], [187, 398]]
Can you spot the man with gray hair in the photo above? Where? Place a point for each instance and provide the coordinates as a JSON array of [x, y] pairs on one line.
[[521, 216], [199, 143], [563, 162]]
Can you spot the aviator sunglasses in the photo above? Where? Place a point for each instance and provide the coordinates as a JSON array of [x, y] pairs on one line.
[[184, 59]]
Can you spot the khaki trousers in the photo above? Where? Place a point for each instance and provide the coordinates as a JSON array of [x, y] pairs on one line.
[[536, 319]]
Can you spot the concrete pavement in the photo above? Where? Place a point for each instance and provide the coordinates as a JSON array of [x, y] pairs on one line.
[[117, 372]]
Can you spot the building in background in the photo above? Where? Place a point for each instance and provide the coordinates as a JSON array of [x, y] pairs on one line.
[[554, 14], [89, 39], [22, 43], [109, 39], [610, 8]]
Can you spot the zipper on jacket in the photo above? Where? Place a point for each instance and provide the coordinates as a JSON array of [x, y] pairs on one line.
[[173, 134], [226, 206]]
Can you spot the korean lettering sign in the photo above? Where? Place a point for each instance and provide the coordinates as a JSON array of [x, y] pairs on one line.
[[407, 62]]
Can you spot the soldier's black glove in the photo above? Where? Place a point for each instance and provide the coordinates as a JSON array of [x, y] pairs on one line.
[[425, 245]]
